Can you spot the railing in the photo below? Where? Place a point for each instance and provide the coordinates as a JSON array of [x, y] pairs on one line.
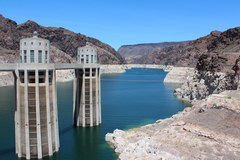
[[29, 66]]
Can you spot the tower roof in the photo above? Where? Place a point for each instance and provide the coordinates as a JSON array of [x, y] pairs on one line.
[[35, 34]]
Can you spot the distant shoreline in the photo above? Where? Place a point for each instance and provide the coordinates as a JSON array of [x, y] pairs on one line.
[[7, 79]]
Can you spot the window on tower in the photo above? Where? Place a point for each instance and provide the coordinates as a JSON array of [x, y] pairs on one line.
[[46, 56], [25, 56], [39, 56], [91, 58], [87, 58], [31, 56]]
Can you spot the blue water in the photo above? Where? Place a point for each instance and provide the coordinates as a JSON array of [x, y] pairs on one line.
[[134, 98]]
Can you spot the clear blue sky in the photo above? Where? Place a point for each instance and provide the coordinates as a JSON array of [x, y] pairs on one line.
[[119, 22]]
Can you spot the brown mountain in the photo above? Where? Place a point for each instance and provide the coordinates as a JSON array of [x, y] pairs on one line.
[[64, 43], [225, 43], [133, 52]]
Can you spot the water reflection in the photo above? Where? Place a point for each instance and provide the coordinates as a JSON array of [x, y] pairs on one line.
[[86, 143]]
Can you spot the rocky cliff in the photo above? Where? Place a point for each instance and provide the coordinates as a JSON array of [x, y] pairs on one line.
[[64, 42], [187, 54], [211, 76], [133, 52]]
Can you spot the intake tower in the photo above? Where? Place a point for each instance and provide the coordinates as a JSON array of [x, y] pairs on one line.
[[36, 117], [87, 107]]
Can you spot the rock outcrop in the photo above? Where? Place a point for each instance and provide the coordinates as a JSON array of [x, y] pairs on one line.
[[203, 84], [179, 75], [65, 75], [208, 130], [64, 42], [113, 69], [210, 77], [6, 79]]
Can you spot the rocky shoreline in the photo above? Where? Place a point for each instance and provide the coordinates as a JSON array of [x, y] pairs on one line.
[[179, 75], [166, 68], [110, 69], [208, 130]]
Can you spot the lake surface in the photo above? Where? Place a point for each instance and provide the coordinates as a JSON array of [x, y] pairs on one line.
[[135, 98]]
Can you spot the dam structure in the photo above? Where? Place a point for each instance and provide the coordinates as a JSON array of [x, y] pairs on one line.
[[36, 112]]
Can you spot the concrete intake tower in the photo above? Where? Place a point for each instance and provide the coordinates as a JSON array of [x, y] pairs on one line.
[[87, 107], [36, 117]]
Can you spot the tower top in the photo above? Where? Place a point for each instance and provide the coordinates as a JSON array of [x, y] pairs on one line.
[[35, 34], [35, 50], [87, 54], [88, 44]]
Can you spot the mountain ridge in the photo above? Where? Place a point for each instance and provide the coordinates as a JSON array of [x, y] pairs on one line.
[[135, 51], [226, 43]]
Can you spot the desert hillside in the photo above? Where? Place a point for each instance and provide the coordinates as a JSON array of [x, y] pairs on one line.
[[226, 43], [133, 52]]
